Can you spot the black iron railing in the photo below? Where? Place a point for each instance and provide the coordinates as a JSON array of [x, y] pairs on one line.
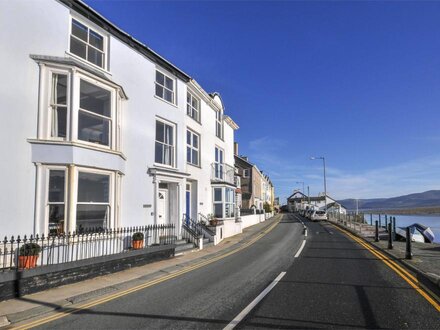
[[89, 243], [191, 230]]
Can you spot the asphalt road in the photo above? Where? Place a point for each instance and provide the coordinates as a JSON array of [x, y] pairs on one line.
[[209, 297], [334, 283]]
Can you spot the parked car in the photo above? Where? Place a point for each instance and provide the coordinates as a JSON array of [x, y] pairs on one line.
[[318, 215], [308, 213]]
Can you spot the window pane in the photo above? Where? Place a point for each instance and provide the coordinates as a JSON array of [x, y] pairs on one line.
[[195, 103], [59, 89], [159, 91], [169, 135], [158, 153], [91, 217], [79, 30], [93, 188], [96, 40], [160, 78], [169, 83], [93, 129], [188, 98], [168, 155], [56, 186], [95, 99], [95, 56], [188, 110], [188, 137], [168, 96], [188, 155], [195, 157], [218, 194], [56, 219], [160, 131], [218, 210], [195, 141], [77, 47], [59, 122]]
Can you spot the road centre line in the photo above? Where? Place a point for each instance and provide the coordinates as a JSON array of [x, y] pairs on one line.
[[403, 273], [300, 249], [254, 303], [70, 310]]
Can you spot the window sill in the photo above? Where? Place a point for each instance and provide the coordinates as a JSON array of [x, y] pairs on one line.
[[77, 144], [76, 57], [167, 167], [195, 120], [163, 100]]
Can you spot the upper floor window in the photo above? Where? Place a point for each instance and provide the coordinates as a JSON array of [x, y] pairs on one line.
[[79, 109], [164, 146], [218, 125], [165, 87], [192, 147], [219, 164], [94, 115], [193, 107], [246, 173], [87, 44], [58, 106]]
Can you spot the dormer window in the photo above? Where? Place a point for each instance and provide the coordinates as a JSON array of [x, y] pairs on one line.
[[87, 44]]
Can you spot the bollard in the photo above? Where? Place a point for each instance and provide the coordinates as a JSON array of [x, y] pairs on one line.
[[408, 254], [371, 219], [386, 223], [380, 221], [390, 237], [394, 228], [376, 235]]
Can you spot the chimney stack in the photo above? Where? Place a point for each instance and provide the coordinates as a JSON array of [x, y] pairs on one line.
[[236, 148]]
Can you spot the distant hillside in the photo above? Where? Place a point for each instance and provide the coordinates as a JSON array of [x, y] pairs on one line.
[[425, 199]]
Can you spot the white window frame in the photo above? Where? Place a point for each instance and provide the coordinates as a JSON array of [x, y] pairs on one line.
[[191, 147], [47, 203], [174, 91], [190, 109], [74, 77], [219, 165], [97, 31], [174, 146], [246, 173], [219, 124], [223, 202], [111, 194], [112, 119]]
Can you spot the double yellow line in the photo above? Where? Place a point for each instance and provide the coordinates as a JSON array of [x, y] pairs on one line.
[[403, 273], [67, 311]]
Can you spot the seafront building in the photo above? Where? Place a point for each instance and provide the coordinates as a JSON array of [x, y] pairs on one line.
[[99, 131]]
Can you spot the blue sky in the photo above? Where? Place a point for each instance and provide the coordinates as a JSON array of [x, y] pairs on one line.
[[357, 82]]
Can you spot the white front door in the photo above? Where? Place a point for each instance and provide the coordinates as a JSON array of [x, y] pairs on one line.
[[162, 207]]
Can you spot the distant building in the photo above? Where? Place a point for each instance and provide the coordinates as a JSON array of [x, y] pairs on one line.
[[298, 201]]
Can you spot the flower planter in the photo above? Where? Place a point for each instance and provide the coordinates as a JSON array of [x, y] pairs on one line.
[[27, 262], [138, 245], [213, 222]]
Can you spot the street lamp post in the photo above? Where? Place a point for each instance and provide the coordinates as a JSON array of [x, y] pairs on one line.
[[325, 181]]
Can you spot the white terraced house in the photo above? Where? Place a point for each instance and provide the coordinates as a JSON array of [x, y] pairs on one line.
[[98, 130]]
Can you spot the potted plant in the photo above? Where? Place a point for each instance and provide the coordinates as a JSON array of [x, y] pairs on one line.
[[137, 240], [28, 255], [213, 221]]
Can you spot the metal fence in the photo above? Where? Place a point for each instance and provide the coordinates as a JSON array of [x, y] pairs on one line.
[[16, 252]]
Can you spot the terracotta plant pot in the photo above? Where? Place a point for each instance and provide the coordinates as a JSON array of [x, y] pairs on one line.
[[213, 222], [27, 262], [138, 245]]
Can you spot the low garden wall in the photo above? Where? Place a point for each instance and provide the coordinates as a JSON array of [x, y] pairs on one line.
[[15, 283]]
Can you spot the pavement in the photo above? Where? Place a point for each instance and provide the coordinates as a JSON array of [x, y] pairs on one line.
[[426, 256], [30, 306]]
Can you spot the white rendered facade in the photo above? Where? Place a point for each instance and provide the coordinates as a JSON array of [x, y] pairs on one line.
[[100, 139]]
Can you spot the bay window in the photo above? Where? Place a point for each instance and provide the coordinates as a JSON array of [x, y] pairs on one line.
[[80, 109], [93, 203], [56, 200], [223, 202]]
